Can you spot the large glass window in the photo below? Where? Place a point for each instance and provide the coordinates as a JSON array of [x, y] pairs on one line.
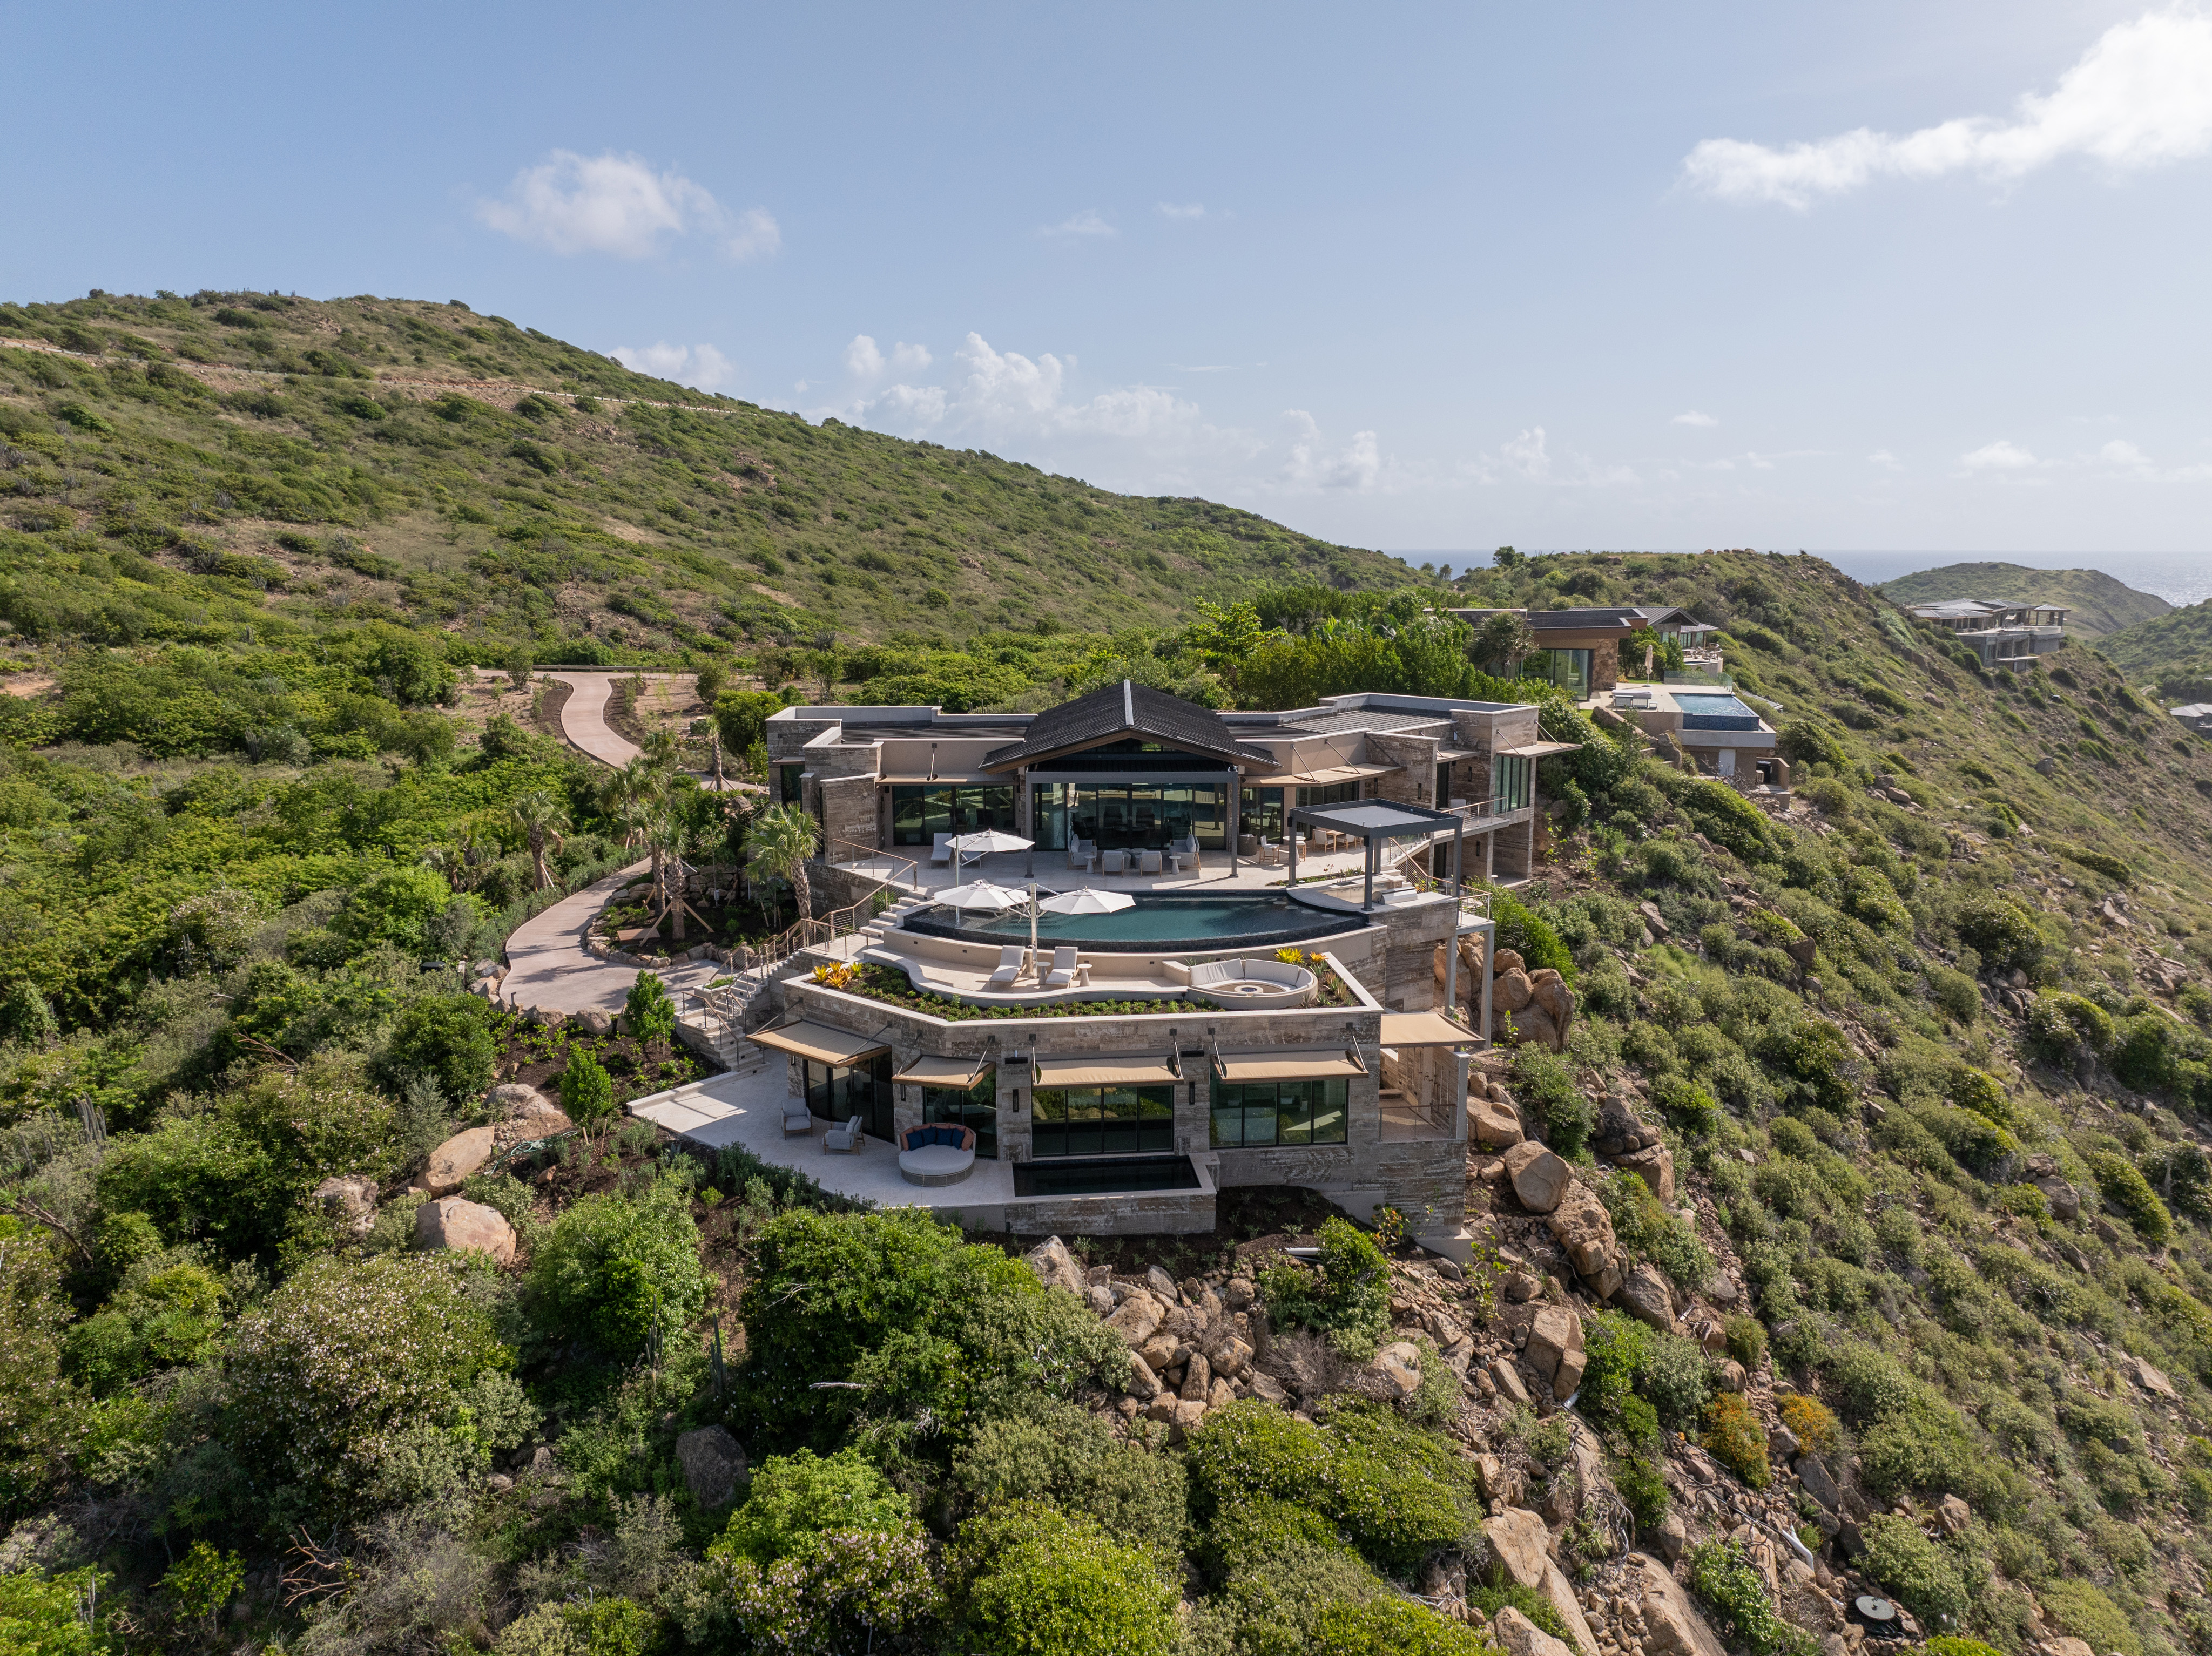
[[790, 775], [1336, 793], [1131, 817], [1260, 813], [838, 1092], [922, 810], [1258, 1114], [977, 1108], [1102, 1120], [1511, 780], [1568, 668]]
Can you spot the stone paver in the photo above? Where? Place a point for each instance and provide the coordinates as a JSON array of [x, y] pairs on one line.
[[548, 966], [748, 1110]]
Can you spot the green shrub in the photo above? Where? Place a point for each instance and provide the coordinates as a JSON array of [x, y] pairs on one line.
[[1391, 1626], [1731, 1586], [1921, 1575], [445, 1038], [597, 1627], [394, 905], [1059, 1453], [2129, 1193], [2059, 1023], [587, 1091], [1643, 1490], [44, 1615], [1747, 1338], [1956, 995], [173, 1317], [845, 1590], [1687, 1104], [1981, 1093], [1803, 742], [1675, 1379], [1039, 1583], [1735, 1438], [615, 1270], [1944, 1645], [355, 1366], [2083, 1611], [647, 1013], [795, 1499], [2001, 932], [1345, 1295], [1647, 1229], [1529, 936], [1545, 1083]]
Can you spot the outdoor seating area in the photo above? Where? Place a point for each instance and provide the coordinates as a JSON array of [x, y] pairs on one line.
[[1247, 983], [973, 971], [936, 1154]]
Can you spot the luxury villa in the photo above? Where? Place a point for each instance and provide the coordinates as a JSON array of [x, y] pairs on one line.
[[1261, 966], [2002, 632]]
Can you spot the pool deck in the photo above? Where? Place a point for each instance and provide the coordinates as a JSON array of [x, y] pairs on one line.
[[1010, 868], [747, 1110]]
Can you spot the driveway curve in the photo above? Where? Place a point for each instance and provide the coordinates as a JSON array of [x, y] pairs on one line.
[[549, 965]]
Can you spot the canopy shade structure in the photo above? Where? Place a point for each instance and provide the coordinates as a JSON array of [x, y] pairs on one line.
[[1542, 750], [822, 1042], [1424, 1029], [1375, 823], [960, 1073], [1319, 1063], [1085, 900], [980, 893], [1147, 1071]]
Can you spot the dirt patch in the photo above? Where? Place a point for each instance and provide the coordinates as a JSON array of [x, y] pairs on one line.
[[545, 709], [28, 684]]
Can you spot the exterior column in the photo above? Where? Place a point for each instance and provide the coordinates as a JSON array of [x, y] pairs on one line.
[[1367, 902], [1026, 821], [1236, 815], [1291, 838]]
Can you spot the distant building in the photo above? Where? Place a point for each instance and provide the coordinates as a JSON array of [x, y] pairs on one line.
[[2197, 715], [2002, 632], [1578, 650]]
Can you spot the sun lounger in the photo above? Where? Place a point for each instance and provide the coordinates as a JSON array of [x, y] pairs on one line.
[[1011, 961], [940, 848], [1068, 972]]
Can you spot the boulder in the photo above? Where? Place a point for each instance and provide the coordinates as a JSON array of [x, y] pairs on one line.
[[1952, 1515], [1100, 1300], [1220, 1395], [1672, 1626], [1522, 1637], [1507, 1378], [1646, 1292], [1267, 1388], [1492, 1123], [1539, 1178], [512, 1097], [453, 1161], [1197, 1379], [1512, 991], [1400, 1364], [1655, 1165], [1136, 1318], [596, 1024], [1185, 1421], [1520, 1547], [1555, 1333], [2067, 1646], [1672, 1536], [2152, 1379], [1143, 1383], [1163, 1286], [1730, 1376], [1232, 1357], [1567, 1378], [1549, 990], [713, 1464], [1056, 1267], [2065, 1201], [1520, 1288], [350, 1201], [1509, 960], [1581, 1225], [1534, 1028], [1556, 1587], [450, 1223]]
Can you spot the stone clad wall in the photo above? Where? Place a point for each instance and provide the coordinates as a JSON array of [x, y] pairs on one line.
[[1416, 758]]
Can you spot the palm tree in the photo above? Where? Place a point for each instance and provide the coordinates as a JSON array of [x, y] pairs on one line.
[[660, 751], [781, 839], [543, 821]]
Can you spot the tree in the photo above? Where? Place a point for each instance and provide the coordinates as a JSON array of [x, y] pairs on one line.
[[647, 1013], [782, 837], [1506, 558], [617, 1268], [587, 1092], [743, 715], [445, 1038], [543, 821], [393, 905], [518, 664], [1504, 637]]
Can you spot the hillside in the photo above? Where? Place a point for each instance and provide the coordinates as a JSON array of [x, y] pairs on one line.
[[2172, 652], [2100, 603], [182, 469]]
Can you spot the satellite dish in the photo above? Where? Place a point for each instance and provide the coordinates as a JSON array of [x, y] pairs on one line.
[[1875, 1609]]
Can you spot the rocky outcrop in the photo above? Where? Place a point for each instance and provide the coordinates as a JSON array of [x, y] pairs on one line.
[[1056, 1267], [1493, 1123], [1522, 1637], [1520, 1547], [1581, 1225], [1672, 1625], [1539, 1178], [713, 1464], [451, 1224], [349, 1200], [1554, 1350], [1400, 1365], [453, 1161], [1644, 1291]]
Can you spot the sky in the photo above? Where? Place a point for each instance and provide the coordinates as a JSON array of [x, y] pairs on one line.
[[1925, 275]]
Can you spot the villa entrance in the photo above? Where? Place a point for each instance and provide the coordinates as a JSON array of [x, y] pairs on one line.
[[838, 1092]]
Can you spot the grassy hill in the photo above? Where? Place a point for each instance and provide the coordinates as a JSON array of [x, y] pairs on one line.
[[2173, 650], [2100, 603], [189, 468]]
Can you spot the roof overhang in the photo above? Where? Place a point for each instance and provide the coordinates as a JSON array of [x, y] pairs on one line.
[[1147, 1069], [1426, 1030], [929, 1070], [1117, 712], [1319, 1063], [1541, 749], [823, 1043]]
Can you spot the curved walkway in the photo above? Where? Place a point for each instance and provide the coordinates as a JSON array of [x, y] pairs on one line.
[[584, 718], [549, 966]]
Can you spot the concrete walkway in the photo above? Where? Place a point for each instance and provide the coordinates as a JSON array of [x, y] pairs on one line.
[[548, 964], [584, 718]]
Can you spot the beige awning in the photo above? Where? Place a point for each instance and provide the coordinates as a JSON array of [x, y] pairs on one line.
[[1320, 778], [822, 1042], [930, 1072], [1146, 1071], [1424, 1029], [1305, 1064], [1542, 750]]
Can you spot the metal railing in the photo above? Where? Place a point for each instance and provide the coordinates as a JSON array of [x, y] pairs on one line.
[[859, 853]]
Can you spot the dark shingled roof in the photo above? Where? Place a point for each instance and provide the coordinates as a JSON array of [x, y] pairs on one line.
[[1120, 711]]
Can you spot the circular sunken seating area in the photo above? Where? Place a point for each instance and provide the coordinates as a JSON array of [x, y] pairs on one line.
[[1254, 984]]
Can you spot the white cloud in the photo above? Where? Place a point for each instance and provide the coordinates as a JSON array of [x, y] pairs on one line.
[[1999, 456], [2119, 456], [702, 367], [2140, 97], [1529, 457], [1190, 209], [618, 204], [1359, 466], [1883, 458], [1693, 418], [1085, 223], [864, 361]]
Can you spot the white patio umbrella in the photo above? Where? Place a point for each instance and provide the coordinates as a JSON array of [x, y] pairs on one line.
[[984, 842], [979, 893], [1083, 899]]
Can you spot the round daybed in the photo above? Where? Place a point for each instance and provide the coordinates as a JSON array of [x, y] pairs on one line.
[[1249, 984], [940, 1154]]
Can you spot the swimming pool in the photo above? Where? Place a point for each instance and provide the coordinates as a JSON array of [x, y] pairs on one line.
[[1718, 712], [1163, 922], [1104, 1175]]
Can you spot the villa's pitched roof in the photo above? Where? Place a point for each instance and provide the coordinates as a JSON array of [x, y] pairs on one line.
[[1123, 710]]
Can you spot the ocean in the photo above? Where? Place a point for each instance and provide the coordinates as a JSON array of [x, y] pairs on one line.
[[2179, 578]]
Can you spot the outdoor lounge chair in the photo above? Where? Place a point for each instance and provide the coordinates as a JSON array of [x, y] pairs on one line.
[[1068, 972], [936, 1153], [1148, 861], [1081, 852], [940, 848], [797, 1118], [1113, 861], [1183, 853], [1011, 962], [846, 1137]]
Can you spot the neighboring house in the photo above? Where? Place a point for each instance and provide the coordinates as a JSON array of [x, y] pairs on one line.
[[1720, 733], [1127, 768], [1578, 651], [2002, 632], [2197, 715]]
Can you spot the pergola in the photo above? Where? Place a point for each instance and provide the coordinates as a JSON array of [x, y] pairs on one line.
[[1374, 822]]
